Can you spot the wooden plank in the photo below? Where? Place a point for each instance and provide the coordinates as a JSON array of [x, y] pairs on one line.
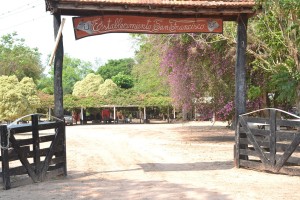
[[44, 151], [20, 170], [287, 153], [23, 159], [264, 145], [283, 147], [272, 137], [50, 153], [261, 132], [24, 142], [256, 120], [5, 158], [58, 67], [252, 164], [256, 146], [240, 67], [57, 160], [36, 144], [23, 128], [12, 155], [240, 80], [290, 123], [249, 152], [285, 135], [47, 138]]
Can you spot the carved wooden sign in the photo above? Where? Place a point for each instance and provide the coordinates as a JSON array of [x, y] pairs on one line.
[[96, 25]]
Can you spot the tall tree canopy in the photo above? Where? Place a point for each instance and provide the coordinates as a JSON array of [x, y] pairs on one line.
[[114, 67], [146, 72], [18, 59], [275, 47], [17, 98], [74, 70], [88, 86]]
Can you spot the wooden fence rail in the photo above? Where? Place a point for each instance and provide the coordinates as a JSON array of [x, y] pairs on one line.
[[269, 144], [29, 155]]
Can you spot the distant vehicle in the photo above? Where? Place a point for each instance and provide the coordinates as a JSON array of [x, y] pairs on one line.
[[68, 120]]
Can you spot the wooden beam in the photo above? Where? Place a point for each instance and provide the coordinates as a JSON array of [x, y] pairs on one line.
[[5, 158], [65, 7], [240, 76], [58, 67], [240, 67]]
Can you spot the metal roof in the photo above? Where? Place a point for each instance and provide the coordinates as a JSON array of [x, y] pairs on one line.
[[227, 9]]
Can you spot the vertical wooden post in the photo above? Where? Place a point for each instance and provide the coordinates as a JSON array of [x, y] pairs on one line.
[[63, 132], [36, 144], [81, 115], [114, 114], [49, 113], [168, 114], [5, 158], [145, 115], [174, 113], [240, 73], [58, 67], [273, 126]]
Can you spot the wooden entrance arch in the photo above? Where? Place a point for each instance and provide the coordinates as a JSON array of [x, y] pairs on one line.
[[227, 10]]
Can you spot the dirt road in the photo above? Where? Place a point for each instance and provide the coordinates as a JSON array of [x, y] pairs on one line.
[[156, 161]]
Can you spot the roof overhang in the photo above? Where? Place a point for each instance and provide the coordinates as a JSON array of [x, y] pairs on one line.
[[228, 10]]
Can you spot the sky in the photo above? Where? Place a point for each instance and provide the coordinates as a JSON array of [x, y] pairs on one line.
[[31, 21]]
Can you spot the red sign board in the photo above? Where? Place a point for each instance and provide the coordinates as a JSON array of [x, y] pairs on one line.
[[96, 25]]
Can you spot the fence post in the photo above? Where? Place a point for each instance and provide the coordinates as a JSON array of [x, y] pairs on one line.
[[36, 144], [63, 129], [273, 126], [5, 158], [236, 148]]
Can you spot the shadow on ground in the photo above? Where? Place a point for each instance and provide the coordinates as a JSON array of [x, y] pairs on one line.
[[198, 166], [80, 185]]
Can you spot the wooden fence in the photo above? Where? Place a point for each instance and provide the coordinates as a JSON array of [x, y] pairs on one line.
[[270, 143], [29, 154]]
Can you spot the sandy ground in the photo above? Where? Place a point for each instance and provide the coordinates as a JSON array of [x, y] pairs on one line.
[[156, 161]]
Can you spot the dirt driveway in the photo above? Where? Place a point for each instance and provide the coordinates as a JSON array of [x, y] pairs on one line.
[[156, 161]]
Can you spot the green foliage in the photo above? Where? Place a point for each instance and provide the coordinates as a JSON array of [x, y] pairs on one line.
[[114, 67], [254, 92], [47, 100], [18, 59], [107, 88], [123, 80], [17, 98], [88, 86], [285, 86], [73, 70], [146, 71]]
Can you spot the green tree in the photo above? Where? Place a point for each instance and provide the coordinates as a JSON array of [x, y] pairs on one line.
[[123, 80], [113, 67], [107, 88], [73, 70], [17, 98], [146, 72], [18, 59], [88, 86], [274, 37]]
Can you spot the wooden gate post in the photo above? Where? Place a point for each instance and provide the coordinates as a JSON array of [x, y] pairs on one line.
[[5, 158], [36, 144], [240, 76], [58, 67]]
